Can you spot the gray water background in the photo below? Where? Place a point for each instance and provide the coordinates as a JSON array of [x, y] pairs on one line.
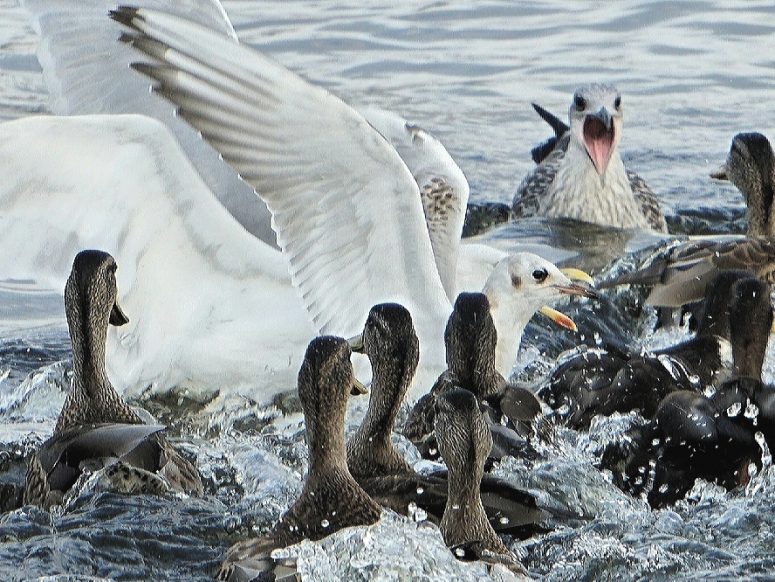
[[692, 74]]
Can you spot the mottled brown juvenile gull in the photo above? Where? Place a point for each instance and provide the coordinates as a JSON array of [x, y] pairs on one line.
[[584, 177]]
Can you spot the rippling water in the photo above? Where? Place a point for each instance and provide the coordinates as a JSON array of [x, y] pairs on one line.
[[692, 75]]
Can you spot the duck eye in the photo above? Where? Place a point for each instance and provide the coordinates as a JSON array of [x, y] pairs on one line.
[[540, 275], [579, 102], [618, 101]]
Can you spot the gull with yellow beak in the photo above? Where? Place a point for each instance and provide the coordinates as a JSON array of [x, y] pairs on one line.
[[359, 217]]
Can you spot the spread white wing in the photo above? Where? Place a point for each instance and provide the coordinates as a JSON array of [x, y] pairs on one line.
[[87, 71], [346, 209], [443, 188]]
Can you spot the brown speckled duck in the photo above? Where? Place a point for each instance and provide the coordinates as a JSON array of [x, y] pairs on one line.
[[470, 339], [465, 441], [96, 428], [390, 342], [331, 499]]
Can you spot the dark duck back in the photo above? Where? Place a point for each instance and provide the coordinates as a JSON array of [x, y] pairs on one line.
[[604, 381], [715, 437]]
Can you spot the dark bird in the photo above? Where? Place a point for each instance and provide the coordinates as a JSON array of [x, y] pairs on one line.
[[712, 435], [465, 441], [331, 499], [607, 380], [750, 166], [470, 338], [581, 174], [96, 428], [389, 341]]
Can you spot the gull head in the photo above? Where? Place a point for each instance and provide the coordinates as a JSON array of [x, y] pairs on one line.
[[520, 285], [596, 122]]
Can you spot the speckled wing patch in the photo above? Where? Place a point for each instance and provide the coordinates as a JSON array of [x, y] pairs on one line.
[[527, 200], [649, 204]]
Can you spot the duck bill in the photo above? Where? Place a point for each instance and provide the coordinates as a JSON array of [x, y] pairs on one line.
[[358, 388], [117, 316], [720, 173], [599, 136], [356, 343], [559, 318]]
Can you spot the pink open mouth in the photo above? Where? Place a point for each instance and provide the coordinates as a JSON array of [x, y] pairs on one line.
[[599, 140]]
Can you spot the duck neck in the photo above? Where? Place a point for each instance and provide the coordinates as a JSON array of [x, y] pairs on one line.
[[464, 513], [389, 386], [88, 335], [760, 206], [91, 398], [326, 444], [370, 450]]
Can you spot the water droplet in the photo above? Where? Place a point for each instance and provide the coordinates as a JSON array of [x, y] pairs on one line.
[[504, 520], [432, 452], [734, 410], [751, 411], [709, 391], [455, 507], [663, 488], [655, 442], [420, 491], [325, 523]]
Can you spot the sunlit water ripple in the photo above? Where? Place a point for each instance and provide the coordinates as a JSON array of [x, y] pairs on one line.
[[692, 75]]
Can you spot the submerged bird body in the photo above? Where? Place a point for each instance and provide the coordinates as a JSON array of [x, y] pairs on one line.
[[713, 437], [94, 428], [331, 499], [390, 342], [583, 177], [604, 381]]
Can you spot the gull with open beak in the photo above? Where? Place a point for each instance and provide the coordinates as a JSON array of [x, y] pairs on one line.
[[583, 177], [520, 285]]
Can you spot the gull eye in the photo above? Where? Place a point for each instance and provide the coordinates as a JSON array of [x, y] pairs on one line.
[[618, 101], [540, 275], [579, 102], [516, 281]]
